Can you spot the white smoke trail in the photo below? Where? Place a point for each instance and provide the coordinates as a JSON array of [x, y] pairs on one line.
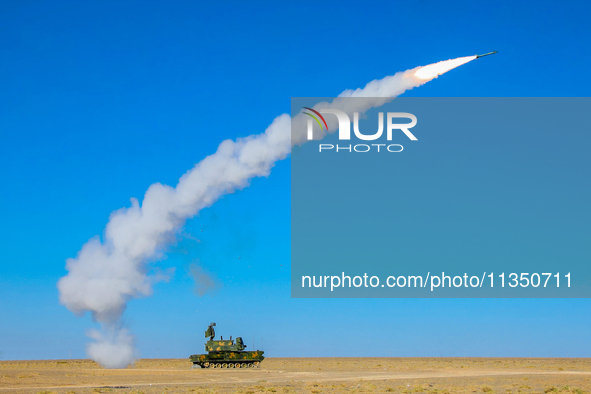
[[105, 275], [378, 92]]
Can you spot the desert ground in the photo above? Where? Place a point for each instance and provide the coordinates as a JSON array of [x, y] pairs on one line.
[[304, 375]]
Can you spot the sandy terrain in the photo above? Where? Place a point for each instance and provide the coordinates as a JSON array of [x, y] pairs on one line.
[[304, 375]]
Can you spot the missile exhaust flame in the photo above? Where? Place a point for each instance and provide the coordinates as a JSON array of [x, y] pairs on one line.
[[434, 70]]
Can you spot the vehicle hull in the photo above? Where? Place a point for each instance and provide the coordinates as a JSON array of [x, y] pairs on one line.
[[246, 359]]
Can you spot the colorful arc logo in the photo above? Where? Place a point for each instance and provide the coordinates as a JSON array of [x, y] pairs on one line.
[[315, 118]]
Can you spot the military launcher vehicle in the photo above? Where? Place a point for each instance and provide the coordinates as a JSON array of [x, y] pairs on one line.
[[226, 353]]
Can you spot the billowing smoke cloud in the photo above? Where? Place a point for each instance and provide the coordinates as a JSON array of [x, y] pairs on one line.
[[114, 347], [204, 281], [106, 274]]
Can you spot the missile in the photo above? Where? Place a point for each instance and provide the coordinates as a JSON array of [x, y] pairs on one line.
[[486, 54]]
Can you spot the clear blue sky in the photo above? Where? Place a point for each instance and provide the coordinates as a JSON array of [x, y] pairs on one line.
[[100, 99]]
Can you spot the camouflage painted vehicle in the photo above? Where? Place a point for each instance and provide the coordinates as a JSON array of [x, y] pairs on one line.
[[226, 353]]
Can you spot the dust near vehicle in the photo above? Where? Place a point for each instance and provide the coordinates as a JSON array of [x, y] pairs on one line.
[[226, 354]]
